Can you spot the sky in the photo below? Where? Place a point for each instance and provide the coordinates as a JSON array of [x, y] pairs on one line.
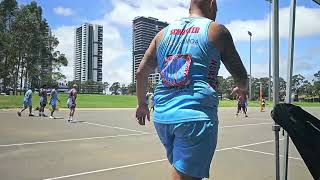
[[116, 16]]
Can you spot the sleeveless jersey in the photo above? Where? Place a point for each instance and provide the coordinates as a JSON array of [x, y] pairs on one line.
[[188, 66], [71, 97]]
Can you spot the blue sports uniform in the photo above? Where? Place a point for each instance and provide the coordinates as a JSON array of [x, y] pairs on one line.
[[27, 100], [54, 98], [185, 99]]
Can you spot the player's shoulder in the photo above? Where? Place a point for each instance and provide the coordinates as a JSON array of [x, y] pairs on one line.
[[218, 29], [160, 35], [218, 34]]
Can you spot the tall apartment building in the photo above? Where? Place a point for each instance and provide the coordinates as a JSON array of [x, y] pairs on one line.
[[88, 52], [144, 30]]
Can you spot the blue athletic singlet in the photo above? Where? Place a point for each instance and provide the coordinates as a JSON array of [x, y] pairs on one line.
[[188, 65], [28, 96], [72, 94], [54, 97]]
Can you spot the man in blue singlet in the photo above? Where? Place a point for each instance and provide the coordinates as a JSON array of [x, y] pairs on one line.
[[53, 100], [188, 54], [71, 103], [27, 103]]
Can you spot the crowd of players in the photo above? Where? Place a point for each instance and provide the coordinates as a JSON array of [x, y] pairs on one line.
[[242, 103], [71, 102]]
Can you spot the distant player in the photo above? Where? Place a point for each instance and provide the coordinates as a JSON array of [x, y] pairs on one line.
[[147, 98], [53, 101], [71, 103], [43, 100], [263, 104], [241, 105], [152, 103], [27, 102]]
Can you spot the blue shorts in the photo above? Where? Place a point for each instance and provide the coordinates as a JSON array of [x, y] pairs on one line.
[[53, 105], [190, 145], [27, 103]]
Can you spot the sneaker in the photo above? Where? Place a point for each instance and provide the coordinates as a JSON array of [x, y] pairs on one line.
[[51, 117], [31, 115], [19, 113], [246, 116], [44, 115]]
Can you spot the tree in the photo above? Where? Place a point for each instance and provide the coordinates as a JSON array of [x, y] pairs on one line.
[[316, 84], [131, 88], [8, 10], [255, 88], [229, 85], [105, 86], [71, 83], [27, 47], [221, 86], [307, 89], [115, 87], [297, 83], [282, 88], [124, 89]]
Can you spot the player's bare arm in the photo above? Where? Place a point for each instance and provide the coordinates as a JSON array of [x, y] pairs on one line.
[[222, 38], [147, 65]]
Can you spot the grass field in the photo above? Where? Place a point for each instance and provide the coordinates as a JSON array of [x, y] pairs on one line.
[[108, 101]]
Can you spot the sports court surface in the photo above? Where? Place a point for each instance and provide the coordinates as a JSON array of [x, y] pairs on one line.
[[109, 144]]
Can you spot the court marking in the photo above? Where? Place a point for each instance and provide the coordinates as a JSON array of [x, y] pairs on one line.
[[69, 140], [230, 126], [113, 127], [242, 125], [144, 163], [266, 153], [106, 137]]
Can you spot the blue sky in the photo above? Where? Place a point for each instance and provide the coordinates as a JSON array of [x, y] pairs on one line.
[[239, 17]]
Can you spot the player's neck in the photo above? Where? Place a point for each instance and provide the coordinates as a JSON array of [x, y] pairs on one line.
[[196, 13]]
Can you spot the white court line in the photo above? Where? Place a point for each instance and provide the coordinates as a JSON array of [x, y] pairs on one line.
[[68, 140], [105, 137], [246, 145], [232, 126], [109, 169], [266, 153], [143, 163], [243, 125], [114, 127]]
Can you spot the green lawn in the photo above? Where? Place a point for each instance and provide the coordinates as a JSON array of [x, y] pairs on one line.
[[107, 101]]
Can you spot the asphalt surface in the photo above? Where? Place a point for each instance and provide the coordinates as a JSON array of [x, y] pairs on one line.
[[109, 144]]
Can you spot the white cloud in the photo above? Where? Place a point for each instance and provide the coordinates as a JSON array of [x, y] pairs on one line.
[[63, 11], [65, 35], [305, 25], [162, 9], [116, 58], [259, 70]]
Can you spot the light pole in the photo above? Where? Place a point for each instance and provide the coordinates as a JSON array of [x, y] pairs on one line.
[[269, 88], [250, 95]]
